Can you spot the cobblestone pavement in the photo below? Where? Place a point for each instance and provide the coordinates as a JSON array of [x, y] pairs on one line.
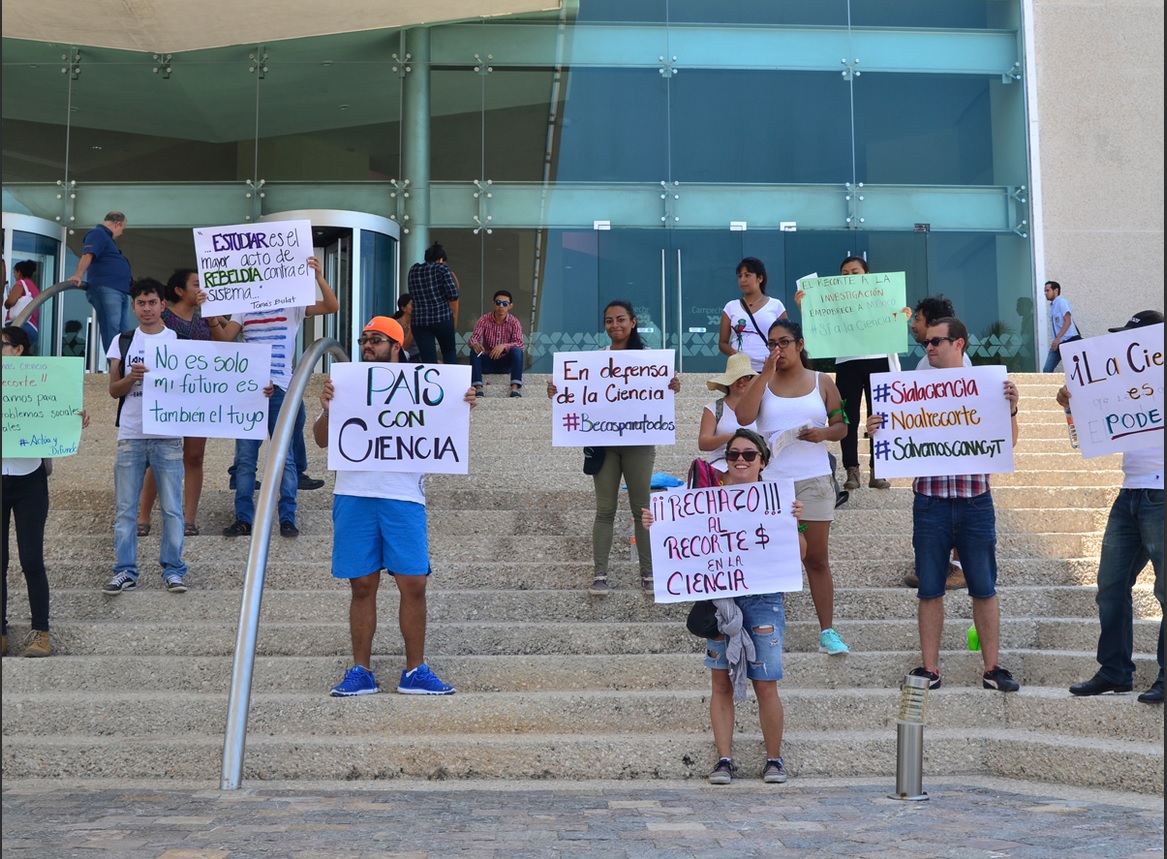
[[977, 819]]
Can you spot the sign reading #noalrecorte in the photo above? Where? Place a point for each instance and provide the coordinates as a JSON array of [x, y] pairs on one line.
[[613, 398], [246, 267], [399, 417]]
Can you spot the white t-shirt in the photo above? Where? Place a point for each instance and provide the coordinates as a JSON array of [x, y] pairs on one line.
[[924, 365], [1143, 469], [893, 360], [141, 351], [20, 466], [728, 423], [397, 485], [279, 329], [744, 337]]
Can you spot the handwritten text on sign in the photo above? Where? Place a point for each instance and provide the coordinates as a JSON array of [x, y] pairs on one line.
[[42, 404], [854, 314], [613, 398], [1116, 390], [400, 417], [942, 422], [206, 390], [248, 267], [725, 541]]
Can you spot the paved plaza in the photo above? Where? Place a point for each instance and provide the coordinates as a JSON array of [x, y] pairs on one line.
[[980, 818]]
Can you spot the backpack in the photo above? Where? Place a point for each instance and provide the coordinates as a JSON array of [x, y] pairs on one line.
[[124, 341], [702, 474]]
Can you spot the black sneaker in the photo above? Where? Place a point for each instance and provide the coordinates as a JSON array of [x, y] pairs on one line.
[[775, 771], [237, 529], [933, 678], [723, 772], [1000, 679], [307, 482], [289, 529]]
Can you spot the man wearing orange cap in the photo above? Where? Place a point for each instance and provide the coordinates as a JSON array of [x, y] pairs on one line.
[[379, 523]]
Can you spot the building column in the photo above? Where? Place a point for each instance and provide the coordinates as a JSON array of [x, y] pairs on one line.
[[415, 156]]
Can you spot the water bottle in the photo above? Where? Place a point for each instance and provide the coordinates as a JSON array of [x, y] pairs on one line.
[[974, 640], [1073, 431]]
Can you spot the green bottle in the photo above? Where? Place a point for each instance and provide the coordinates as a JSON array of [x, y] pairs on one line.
[[974, 640]]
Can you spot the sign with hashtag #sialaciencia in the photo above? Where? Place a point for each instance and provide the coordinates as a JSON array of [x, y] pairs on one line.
[[942, 422], [613, 398], [42, 406], [725, 541]]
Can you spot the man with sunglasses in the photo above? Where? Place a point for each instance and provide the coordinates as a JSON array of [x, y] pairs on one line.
[[496, 346], [379, 523], [956, 511]]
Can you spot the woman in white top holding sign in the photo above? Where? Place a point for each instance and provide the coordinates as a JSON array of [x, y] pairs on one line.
[[798, 410], [745, 320], [632, 463]]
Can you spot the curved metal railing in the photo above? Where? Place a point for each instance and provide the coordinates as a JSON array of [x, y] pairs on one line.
[[239, 701], [45, 295]]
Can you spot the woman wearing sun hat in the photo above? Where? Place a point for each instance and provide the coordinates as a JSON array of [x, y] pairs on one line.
[[718, 421]]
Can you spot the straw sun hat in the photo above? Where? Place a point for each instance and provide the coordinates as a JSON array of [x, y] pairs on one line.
[[736, 366]]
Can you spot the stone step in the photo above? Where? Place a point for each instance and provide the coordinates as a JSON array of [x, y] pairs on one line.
[[1016, 753]]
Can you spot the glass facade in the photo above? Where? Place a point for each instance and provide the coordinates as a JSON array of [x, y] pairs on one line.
[[611, 150]]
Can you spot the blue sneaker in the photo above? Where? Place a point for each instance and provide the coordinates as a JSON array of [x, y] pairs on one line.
[[422, 681], [829, 642], [357, 681]]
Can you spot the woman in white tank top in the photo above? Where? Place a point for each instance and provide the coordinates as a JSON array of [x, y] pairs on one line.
[[798, 411]]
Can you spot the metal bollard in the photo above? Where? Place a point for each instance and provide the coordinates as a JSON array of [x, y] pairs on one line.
[[910, 739]]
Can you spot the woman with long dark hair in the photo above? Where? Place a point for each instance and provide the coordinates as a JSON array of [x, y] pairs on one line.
[[745, 319]]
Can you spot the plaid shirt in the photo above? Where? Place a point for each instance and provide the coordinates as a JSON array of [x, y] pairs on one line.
[[952, 486], [490, 333], [432, 286]]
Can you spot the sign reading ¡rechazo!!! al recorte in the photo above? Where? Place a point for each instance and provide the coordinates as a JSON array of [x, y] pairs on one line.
[[613, 398], [207, 390], [725, 541], [248, 267], [399, 417]]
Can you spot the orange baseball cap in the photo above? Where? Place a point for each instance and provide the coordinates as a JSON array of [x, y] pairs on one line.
[[388, 326]]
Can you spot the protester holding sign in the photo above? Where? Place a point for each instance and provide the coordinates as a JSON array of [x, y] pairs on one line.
[[279, 328], [632, 463], [379, 523], [744, 319], [136, 450], [26, 499], [798, 410], [956, 511], [182, 316], [751, 630], [1133, 536]]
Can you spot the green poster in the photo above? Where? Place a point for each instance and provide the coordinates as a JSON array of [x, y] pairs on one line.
[[42, 405], [847, 315]]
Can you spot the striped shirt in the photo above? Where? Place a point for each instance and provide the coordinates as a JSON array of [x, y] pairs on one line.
[[279, 329]]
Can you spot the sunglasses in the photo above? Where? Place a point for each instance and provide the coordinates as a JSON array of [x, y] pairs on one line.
[[784, 343], [936, 341], [502, 303], [374, 341], [747, 455]]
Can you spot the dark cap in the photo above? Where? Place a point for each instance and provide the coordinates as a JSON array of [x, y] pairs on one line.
[[1141, 320]]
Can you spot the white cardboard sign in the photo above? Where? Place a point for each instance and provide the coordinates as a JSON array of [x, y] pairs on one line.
[[247, 267], [613, 398]]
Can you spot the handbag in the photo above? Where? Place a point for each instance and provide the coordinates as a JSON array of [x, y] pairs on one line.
[[702, 620], [746, 308], [593, 459]]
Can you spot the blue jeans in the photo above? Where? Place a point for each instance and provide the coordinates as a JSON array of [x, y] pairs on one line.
[[113, 313], [433, 335], [967, 524], [164, 457], [1134, 535], [511, 362], [246, 457]]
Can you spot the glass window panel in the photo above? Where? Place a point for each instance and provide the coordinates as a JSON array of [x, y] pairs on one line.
[[760, 127], [759, 12], [951, 14], [923, 130], [608, 11], [614, 127], [520, 123], [456, 124], [36, 111]]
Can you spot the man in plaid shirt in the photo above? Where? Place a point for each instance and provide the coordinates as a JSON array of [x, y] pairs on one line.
[[435, 307], [497, 345], [956, 511]]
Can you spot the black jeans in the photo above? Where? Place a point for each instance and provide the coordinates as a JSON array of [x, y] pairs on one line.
[[27, 497], [441, 332]]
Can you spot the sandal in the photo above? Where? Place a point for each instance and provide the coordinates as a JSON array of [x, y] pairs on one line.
[[143, 529], [191, 530]]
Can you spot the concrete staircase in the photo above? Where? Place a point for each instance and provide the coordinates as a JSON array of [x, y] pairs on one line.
[[553, 683]]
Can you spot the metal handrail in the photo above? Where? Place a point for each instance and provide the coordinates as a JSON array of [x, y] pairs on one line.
[[239, 700], [45, 295]]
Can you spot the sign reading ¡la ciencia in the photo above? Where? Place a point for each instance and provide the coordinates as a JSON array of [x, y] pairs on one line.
[[399, 417]]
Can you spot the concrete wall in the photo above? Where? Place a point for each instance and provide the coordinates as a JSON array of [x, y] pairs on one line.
[[1100, 119]]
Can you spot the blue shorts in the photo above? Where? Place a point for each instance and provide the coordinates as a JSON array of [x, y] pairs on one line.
[[968, 525], [371, 534], [763, 610]]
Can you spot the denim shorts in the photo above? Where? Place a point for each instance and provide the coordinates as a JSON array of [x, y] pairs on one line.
[[968, 525], [763, 610], [371, 534]]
